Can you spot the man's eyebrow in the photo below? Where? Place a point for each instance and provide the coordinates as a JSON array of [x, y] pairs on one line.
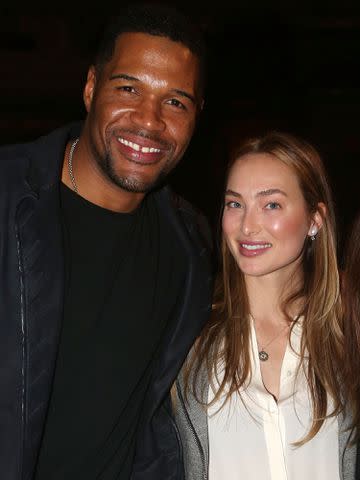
[[124, 76]]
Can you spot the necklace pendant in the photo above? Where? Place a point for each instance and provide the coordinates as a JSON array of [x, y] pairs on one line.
[[263, 356]]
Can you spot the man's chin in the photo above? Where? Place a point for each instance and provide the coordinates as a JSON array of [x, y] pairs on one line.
[[136, 185]]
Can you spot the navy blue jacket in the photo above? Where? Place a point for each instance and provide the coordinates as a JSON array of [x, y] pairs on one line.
[[31, 309]]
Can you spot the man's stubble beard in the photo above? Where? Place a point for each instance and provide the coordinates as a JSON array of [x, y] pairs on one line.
[[131, 183]]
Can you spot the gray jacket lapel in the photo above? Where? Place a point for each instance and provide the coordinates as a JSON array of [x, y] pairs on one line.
[[191, 418], [347, 453]]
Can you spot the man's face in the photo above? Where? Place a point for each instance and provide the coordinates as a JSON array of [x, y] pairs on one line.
[[142, 109]]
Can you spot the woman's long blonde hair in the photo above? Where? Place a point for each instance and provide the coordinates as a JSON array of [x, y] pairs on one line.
[[225, 340]]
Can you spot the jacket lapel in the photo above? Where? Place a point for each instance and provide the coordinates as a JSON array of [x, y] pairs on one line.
[[197, 414], [347, 453], [41, 263], [196, 304], [178, 337]]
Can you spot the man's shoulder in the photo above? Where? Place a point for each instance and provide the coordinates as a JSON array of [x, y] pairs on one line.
[[180, 203], [39, 158], [11, 151], [43, 142], [13, 161], [193, 217], [10, 154]]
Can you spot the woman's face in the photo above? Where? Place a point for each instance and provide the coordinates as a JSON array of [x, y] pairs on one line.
[[265, 220]]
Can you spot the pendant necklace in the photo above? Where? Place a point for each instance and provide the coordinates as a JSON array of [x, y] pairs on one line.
[[263, 354]]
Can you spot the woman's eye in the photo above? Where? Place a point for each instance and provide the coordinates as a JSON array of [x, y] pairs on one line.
[[233, 204], [272, 206]]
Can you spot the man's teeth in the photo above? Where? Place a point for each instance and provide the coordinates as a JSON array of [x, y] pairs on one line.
[[137, 147], [255, 247]]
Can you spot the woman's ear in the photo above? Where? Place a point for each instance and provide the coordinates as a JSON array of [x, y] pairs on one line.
[[317, 220]]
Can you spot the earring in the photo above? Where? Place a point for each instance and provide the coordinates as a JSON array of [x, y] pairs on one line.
[[313, 234]]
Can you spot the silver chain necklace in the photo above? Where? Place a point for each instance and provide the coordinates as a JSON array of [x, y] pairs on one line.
[[263, 354], [70, 165]]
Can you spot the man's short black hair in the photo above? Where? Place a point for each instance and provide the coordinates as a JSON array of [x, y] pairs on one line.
[[154, 19]]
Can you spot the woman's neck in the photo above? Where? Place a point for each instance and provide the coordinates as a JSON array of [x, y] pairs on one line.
[[266, 296]]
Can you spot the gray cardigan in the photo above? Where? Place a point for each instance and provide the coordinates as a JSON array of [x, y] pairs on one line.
[[191, 419]]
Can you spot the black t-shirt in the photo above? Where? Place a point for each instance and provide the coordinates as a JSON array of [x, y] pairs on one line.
[[124, 280]]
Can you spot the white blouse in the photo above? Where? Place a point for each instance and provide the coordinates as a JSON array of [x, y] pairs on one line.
[[252, 439]]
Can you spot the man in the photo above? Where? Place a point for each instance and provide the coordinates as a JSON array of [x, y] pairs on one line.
[[105, 280]]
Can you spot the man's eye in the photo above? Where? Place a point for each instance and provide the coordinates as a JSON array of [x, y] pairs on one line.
[[126, 88], [176, 103]]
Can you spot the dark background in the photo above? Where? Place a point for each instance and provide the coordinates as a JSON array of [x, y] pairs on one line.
[[277, 65]]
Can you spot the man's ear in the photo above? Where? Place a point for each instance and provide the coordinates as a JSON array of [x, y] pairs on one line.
[[89, 88], [317, 220]]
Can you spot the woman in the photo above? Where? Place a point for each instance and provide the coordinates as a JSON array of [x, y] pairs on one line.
[[261, 394]]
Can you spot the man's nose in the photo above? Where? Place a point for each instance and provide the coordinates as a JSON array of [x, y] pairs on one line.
[[148, 116]]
